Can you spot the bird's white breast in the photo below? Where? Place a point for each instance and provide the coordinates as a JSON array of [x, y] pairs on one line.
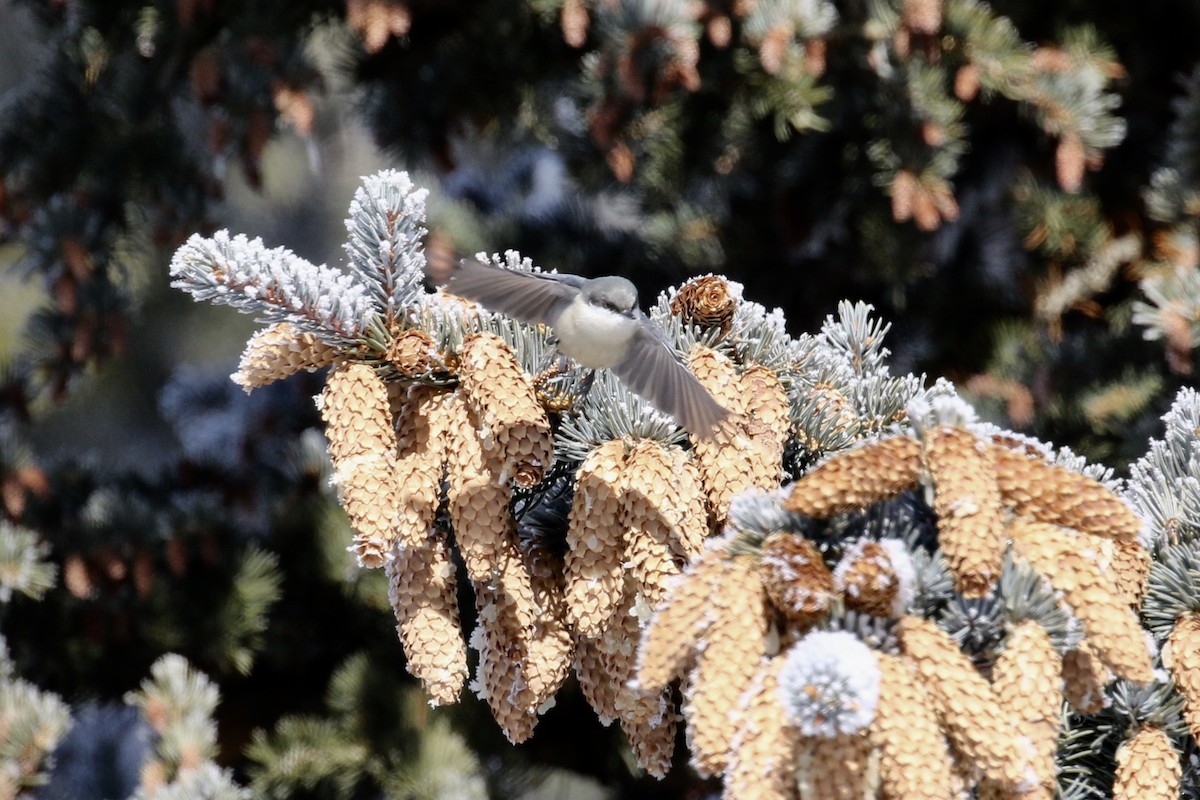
[[593, 336]]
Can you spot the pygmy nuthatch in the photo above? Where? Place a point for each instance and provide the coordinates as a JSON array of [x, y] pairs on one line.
[[598, 323]]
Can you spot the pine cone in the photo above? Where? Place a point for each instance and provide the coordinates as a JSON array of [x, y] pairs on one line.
[[1050, 493], [278, 351], [1027, 679], [970, 713], [967, 503], [913, 759], [867, 581], [421, 439], [596, 541], [680, 622], [423, 594], [726, 663], [923, 16], [662, 511], [505, 404], [733, 463], [829, 414], [834, 767], [767, 402], [498, 677], [653, 742], [1183, 661], [477, 498], [536, 622], [857, 478], [1130, 569], [1070, 162], [795, 577], [362, 447], [1084, 679], [413, 353], [1148, 767], [706, 302], [1112, 628], [597, 686], [574, 23], [762, 761]]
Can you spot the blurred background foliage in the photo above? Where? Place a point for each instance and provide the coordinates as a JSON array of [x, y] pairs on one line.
[[1015, 186]]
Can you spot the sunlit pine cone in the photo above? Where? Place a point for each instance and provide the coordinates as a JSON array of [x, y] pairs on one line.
[[834, 766], [857, 478], [967, 503], [278, 351], [653, 741], [506, 406], [499, 679], [727, 659], [732, 461], [662, 511], [795, 577], [923, 16], [552, 647], [1148, 767], [362, 447], [867, 580], [762, 761], [766, 400], [413, 353], [966, 82], [1111, 626], [1027, 680], [1070, 162], [574, 22], [476, 497], [707, 302], [1129, 566], [719, 29], [422, 590], [537, 623], [965, 774], [913, 759], [646, 717], [966, 704], [905, 188], [549, 653], [596, 541], [421, 437], [1084, 679], [1054, 494], [78, 577], [680, 621], [618, 649], [597, 687], [376, 21], [1182, 659], [773, 49]]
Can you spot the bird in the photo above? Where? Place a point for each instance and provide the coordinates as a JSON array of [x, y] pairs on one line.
[[598, 323]]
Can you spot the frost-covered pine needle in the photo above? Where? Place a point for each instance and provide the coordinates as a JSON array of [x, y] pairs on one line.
[[275, 284]]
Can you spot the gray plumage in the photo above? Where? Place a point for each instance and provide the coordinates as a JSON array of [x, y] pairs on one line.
[[598, 323]]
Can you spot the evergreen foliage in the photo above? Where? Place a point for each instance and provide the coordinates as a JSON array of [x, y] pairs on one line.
[[1008, 193]]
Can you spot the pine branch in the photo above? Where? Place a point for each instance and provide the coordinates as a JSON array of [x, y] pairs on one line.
[[276, 284], [384, 247]]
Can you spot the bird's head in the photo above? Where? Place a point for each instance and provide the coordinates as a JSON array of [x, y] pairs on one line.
[[613, 293]]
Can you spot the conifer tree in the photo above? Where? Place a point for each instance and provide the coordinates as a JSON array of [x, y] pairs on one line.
[[1004, 193]]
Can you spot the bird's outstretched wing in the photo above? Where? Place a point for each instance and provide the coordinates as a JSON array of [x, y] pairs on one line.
[[653, 371], [532, 298]]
